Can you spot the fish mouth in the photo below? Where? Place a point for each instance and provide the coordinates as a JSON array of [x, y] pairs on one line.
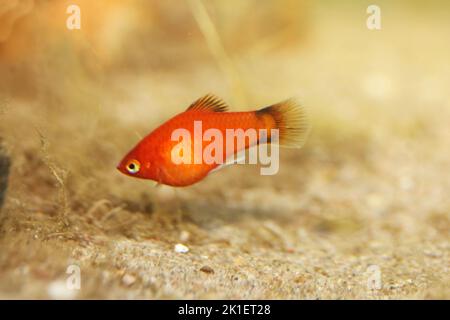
[[120, 166]]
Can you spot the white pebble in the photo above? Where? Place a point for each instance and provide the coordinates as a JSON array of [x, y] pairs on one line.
[[59, 290], [181, 248], [128, 279]]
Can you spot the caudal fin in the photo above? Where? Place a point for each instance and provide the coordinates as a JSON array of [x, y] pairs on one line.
[[292, 122]]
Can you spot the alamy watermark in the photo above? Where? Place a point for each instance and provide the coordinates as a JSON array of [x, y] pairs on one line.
[[373, 22], [374, 277], [74, 20], [73, 281], [231, 148]]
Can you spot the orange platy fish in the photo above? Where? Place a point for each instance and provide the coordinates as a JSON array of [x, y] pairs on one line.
[[284, 123]]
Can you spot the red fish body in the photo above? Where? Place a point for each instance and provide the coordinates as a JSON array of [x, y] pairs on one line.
[[152, 158]]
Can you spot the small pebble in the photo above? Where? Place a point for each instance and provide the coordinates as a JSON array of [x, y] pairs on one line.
[[59, 290], [128, 279], [181, 248], [207, 269]]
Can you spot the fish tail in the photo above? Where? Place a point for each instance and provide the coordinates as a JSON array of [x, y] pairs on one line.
[[291, 120]]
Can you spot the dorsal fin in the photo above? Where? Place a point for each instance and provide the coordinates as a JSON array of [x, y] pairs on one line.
[[208, 103]]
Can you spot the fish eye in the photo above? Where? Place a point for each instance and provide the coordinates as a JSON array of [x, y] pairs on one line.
[[133, 166]]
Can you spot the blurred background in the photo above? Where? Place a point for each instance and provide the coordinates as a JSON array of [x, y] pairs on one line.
[[369, 188]]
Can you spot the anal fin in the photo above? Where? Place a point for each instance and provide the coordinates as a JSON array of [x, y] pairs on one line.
[[233, 159]]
